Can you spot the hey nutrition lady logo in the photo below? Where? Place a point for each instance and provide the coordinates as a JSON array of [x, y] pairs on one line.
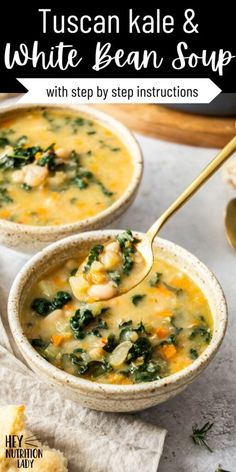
[[24, 450]]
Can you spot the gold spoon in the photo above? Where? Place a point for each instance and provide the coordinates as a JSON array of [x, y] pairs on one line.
[[230, 222], [144, 247]]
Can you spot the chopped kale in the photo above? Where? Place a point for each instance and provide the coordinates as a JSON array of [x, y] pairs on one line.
[[82, 317], [136, 299], [127, 243], [147, 372], [115, 276], [93, 256], [154, 281], [97, 368], [141, 348], [193, 353], [170, 340], [103, 188], [4, 197], [201, 331], [102, 324], [177, 291], [39, 343], [60, 300], [111, 343], [123, 324], [41, 306], [26, 187]]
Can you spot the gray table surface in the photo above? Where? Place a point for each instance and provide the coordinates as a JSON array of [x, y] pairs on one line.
[[199, 228]]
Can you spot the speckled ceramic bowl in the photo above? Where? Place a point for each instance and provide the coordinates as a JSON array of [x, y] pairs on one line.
[[29, 238], [105, 397]]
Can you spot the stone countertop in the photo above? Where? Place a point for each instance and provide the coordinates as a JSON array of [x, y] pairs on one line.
[[199, 228]]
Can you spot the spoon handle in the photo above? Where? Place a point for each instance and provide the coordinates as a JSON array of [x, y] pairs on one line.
[[206, 173]]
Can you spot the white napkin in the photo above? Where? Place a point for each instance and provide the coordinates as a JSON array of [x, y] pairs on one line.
[[92, 441]]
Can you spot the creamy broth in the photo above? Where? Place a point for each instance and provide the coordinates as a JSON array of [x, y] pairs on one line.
[[155, 330], [58, 167]]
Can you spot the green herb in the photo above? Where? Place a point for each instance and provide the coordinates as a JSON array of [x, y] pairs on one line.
[[91, 132], [103, 188], [82, 178], [193, 353], [39, 343], [177, 291], [60, 300], [111, 343], [154, 281], [93, 256], [4, 197], [136, 299], [73, 272], [199, 435], [201, 331], [141, 348], [42, 306], [116, 149], [26, 187]]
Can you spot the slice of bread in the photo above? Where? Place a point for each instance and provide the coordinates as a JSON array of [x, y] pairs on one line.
[[12, 422]]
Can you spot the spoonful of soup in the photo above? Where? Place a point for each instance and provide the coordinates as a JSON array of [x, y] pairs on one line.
[[114, 268]]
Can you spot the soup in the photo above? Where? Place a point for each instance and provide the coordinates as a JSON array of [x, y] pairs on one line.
[[157, 329], [59, 167]]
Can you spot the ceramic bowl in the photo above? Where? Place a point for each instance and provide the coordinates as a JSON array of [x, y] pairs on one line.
[[116, 398], [29, 238]]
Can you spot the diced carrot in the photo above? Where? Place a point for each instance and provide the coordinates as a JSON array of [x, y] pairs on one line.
[[168, 350], [163, 291], [162, 332], [103, 340], [181, 282], [5, 214], [68, 306], [57, 339], [163, 314]]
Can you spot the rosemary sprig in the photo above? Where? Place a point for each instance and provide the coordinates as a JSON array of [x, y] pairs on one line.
[[199, 435], [219, 469]]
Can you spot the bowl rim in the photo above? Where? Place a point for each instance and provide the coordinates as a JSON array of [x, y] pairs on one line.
[[62, 377], [122, 132]]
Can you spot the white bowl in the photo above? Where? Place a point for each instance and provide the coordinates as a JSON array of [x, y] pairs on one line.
[[29, 238], [106, 397]]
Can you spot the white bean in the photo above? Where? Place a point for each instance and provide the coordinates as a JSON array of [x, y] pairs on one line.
[[18, 176], [114, 247], [34, 175], [63, 153], [102, 291]]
